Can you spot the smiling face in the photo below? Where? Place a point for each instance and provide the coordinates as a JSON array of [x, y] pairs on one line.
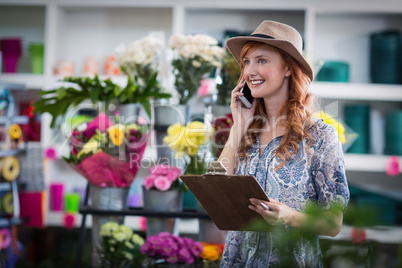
[[266, 73]]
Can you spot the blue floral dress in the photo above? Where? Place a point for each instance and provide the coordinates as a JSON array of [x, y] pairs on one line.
[[295, 184]]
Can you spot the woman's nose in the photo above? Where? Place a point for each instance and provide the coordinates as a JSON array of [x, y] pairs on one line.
[[250, 70]]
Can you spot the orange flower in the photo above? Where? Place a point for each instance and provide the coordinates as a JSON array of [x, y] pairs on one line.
[[116, 136], [211, 252]]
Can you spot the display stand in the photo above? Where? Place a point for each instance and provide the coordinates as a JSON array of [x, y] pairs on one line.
[[86, 210], [6, 120]]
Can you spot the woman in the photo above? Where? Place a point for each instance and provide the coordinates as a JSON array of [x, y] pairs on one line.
[[296, 159]]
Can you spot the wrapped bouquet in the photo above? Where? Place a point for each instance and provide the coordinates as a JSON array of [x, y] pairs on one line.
[[107, 154]]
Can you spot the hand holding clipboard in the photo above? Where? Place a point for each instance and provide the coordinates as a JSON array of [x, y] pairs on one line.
[[226, 197]]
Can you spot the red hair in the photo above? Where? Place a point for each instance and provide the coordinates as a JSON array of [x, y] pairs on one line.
[[298, 110]]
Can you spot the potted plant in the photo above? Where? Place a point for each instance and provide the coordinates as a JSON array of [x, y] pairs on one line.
[[119, 247], [163, 192]]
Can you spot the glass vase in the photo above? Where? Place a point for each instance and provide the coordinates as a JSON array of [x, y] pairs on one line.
[[196, 166]]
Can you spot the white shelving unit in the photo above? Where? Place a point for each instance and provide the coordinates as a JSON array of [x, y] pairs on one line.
[[332, 30]]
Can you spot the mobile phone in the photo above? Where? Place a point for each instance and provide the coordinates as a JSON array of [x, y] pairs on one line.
[[247, 98]]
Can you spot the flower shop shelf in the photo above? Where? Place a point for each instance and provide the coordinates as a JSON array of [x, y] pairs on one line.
[[146, 213], [187, 226], [357, 91], [8, 222], [367, 162], [23, 81], [382, 234]]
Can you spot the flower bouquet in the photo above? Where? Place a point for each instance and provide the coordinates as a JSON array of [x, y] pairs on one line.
[[194, 57], [107, 154], [162, 178], [168, 248], [140, 61], [119, 247], [187, 141], [221, 125]]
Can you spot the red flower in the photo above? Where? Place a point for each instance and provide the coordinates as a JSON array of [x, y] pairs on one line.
[[358, 235]]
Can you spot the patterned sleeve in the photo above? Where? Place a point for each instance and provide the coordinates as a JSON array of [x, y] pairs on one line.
[[328, 168]]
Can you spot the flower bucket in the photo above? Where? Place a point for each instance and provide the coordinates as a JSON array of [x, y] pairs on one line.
[[108, 198], [208, 232], [164, 116], [162, 201]]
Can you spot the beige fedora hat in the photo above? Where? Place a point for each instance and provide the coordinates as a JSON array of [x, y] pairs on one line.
[[277, 35]]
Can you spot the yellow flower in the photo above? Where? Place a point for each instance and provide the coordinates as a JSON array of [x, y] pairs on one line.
[[210, 252], [116, 135], [175, 138], [91, 146], [187, 139], [332, 121], [197, 134], [132, 127]]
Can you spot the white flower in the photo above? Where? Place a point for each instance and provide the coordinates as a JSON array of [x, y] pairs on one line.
[[129, 245], [140, 52], [108, 228], [127, 231], [138, 239], [191, 46], [196, 63], [128, 255], [119, 236]]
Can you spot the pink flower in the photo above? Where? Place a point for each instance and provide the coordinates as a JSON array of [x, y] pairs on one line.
[[162, 177], [69, 220], [143, 224], [149, 182], [162, 183], [101, 122], [358, 235], [393, 168], [50, 153]]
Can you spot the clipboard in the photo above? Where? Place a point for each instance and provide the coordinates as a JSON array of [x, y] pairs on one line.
[[226, 197]]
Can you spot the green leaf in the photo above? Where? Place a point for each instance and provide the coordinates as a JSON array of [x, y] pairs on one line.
[[147, 107]]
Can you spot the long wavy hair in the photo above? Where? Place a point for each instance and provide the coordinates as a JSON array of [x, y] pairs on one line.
[[298, 110]]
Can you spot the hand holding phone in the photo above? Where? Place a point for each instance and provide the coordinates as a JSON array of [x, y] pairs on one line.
[[247, 98]]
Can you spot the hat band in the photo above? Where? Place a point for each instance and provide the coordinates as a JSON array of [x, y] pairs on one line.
[[262, 36]]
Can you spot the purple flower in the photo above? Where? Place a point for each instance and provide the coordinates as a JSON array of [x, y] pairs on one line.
[[171, 248], [89, 132], [50, 153], [172, 259], [196, 249], [185, 256]]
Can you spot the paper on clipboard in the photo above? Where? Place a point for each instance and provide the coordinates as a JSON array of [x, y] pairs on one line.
[[226, 198]]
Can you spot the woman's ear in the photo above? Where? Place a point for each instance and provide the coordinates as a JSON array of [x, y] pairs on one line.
[[288, 72]]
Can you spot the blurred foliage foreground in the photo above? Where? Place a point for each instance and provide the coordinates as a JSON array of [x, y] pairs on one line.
[[356, 250]]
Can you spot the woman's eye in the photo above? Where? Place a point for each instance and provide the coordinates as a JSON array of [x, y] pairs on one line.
[[262, 61], [246, 62]]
